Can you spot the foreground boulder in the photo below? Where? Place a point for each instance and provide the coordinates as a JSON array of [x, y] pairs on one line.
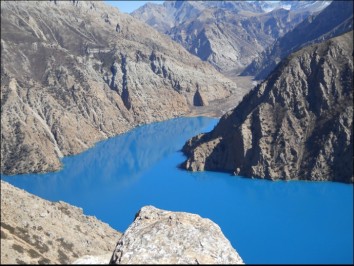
[[165, 237]]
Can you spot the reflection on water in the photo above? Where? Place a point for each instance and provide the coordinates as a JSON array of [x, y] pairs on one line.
[[116, 162], [267, 222]]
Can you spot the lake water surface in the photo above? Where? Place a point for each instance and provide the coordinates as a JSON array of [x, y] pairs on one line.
[[265, 221]]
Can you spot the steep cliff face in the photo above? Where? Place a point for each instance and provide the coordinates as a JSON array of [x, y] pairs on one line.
[[297, 124], [73, 73], [37, 231], [227, 34], [164, 237], [334, 20]]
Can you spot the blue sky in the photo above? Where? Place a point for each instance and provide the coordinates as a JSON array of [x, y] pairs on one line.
[[129, 6]]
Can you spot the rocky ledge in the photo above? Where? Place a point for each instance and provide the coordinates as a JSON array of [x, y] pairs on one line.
[[165, 237]]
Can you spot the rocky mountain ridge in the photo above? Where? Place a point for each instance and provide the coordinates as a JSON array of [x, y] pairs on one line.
[[227, 34], [334, 20], [76, 72], [313, 6], [297, 124]]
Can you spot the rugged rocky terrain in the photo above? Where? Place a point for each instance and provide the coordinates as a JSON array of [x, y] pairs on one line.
[[311, 6], [334, 20], [297, 124], [164, 237], [75, 72], [37, 231], [227, 34]]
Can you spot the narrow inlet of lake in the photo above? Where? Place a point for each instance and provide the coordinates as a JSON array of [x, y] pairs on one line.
[[265, 221]]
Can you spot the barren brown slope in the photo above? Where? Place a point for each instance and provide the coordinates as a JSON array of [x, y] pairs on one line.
[[297, 124], [37, 231], [73, 73]]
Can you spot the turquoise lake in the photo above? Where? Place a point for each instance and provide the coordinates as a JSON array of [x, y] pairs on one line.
[[265, 221]]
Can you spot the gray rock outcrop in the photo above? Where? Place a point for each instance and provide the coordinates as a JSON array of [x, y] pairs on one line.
[[37, 231], [334, 20], [297, 124], [199, 99], [76, 72], [164, 237]]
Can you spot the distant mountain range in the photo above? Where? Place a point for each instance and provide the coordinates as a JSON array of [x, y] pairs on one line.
[[334, 20], [313, 6], [227, 34]]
